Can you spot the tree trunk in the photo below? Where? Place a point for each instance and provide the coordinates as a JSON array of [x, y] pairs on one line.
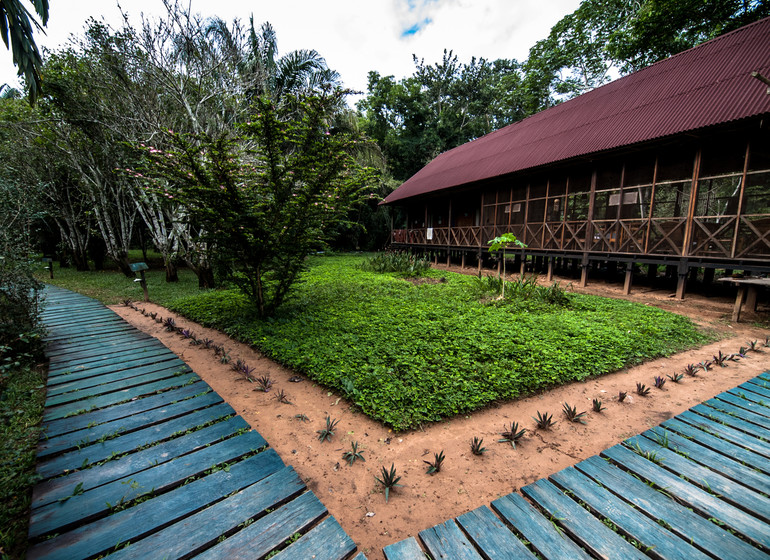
[[205, 277], [172, 273]]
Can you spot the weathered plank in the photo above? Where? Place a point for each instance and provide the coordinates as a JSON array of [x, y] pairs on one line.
[[492, 537], [132, 524], [62, 426], [735, 436], [97, 451], [724, 405], [686, 493], [96, 347], [268, 533], [713, 482], [60, 487], [536, 529], [325, 541], [688, 525], [702, 451], [116, 355], [90, 377], [65, 410], [629, 521], [78, 509], [747, 400], [593, 535], [446, 541], [408, 549], [192, 535], [66, 442], [115, 383]]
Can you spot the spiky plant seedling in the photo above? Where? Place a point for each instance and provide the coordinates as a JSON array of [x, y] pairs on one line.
[[572, 414], [544, 421], [642, 390], [353, 454], [597, 405], [153, 315], [186, 333], [224, 358], [264, 382], [389, 480], [476, 447], [720, 359], [169, 324], [238, 364], [735, 357], [676, 378], [706, 365], [127, 302], [512, 435], [622, 395], [207, 343], [742, 351], [659, 381], [301, 417], [753, 345], [434, 466], [282, 397], [328, 431], [691, 369]]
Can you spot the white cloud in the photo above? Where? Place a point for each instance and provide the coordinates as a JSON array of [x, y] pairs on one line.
[[355, 36]]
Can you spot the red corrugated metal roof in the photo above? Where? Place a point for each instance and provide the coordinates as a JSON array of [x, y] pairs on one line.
[[704, 86]]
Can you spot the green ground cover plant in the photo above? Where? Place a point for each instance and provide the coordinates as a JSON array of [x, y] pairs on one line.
[[409, 353]]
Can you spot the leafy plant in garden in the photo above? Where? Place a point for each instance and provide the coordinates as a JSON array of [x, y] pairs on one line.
[[264, 383], [572, 414], [282, 397], [400, 262], [328, 431], [622, 395], [597, 405], [269, 196], [354, 454], [720, 359], [544, 420], [659, 381], [512, 435], [642, 390], [389, 480], [692, 369], [501, 243], [676, 378], [169, 324], [434, 466], [706, 365], [476, 446]]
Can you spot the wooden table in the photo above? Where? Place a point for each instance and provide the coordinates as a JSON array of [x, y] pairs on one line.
[[747, 291]]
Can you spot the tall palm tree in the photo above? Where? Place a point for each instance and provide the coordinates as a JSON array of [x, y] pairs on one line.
[[15, 18]]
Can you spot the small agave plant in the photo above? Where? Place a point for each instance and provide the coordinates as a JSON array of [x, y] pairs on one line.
[[328, 431], [389, 480], [598, 406], [353, 454], [512, 435], [476, 446], [544, 420], [572, 414], [434, 466], [642, 390], [622, 395], [659, 381], [676, 378]]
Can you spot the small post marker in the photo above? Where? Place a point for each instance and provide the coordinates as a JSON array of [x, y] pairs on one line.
[[140, 267], [49, 265]]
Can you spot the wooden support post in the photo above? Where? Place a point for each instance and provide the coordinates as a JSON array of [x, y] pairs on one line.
[[738, 302], [549, 274], [708, 276], [751, 298], [681, 283], [462, 260], [500, 264], [448, 258], [584, 265], [479, 259], [523, 265], [629, 279], [435, 258]]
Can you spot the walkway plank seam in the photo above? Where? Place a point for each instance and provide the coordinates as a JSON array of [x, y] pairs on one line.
[[140, 458], [696, 487]]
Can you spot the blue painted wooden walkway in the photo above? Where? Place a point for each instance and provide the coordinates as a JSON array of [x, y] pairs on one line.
[[695, 487], [142, 459]]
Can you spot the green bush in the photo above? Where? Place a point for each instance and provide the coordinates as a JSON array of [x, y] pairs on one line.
[[401, 262], [409, 354]]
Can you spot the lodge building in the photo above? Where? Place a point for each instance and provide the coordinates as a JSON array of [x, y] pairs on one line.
[[666, 166]]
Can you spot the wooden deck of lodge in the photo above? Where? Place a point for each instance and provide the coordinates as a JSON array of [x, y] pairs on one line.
[[695, 487], [142, 459]]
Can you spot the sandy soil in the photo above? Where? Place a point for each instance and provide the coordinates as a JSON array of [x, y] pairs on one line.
[[466, 481]]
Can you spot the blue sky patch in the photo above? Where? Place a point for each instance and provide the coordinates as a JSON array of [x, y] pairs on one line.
[[409, 31]]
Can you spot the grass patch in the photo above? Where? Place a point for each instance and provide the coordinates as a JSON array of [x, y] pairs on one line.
[[111, 286], [22, 395], [409, 353]]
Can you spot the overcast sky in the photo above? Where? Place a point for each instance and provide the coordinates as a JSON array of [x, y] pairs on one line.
[[355, 36]]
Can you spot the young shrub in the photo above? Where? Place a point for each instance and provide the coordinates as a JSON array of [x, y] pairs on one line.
[[720, 359], [544, 420], [512, 435], [169, 324], [328, 431], [476, 447], [691, 369], [659, 381], [706, 365], [282, 397], [353, 454], [264, 383], [622, 395], [642, 390], [597, 406], [572, 414], [186, 333], [389, 480], [434, 466], [676, 378]]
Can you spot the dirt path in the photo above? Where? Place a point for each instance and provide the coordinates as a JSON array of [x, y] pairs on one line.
[[466, 481]]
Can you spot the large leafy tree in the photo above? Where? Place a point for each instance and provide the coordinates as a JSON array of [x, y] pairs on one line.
[[16, 29], [268, 195]]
